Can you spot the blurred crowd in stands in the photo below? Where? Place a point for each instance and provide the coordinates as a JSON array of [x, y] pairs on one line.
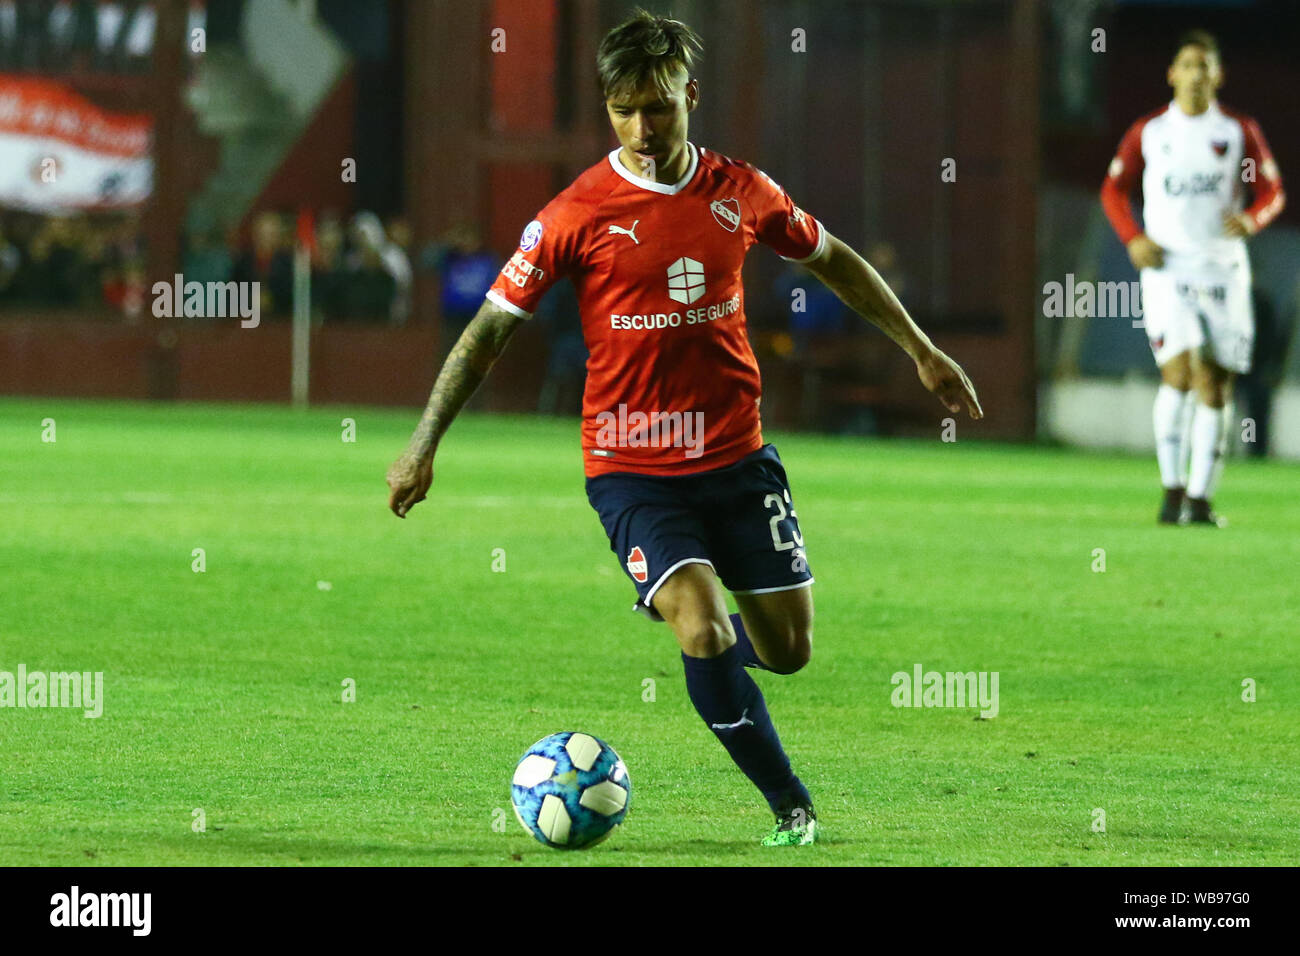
[[80, 35], [361, 268], [93, 36], [71, 262]]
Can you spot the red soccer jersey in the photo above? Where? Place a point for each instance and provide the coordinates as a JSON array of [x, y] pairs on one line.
[[672, 384]]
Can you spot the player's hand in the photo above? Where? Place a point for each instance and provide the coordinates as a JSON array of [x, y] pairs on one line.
[[1145, 254], [945, 378], [1239, 226], [409, 478]]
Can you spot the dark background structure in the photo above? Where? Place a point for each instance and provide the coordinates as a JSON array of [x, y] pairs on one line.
[[854, 106]]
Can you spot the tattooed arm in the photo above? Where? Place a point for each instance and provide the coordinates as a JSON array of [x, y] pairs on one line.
[[467, 365]]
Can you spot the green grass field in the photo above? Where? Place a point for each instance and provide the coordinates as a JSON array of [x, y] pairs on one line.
[[1119, 691]]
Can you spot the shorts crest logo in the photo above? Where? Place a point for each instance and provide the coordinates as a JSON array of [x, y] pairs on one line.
[[727, 212], [531, 237], [636, 565]]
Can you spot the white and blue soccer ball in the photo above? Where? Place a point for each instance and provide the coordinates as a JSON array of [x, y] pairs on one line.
[[570, 790]]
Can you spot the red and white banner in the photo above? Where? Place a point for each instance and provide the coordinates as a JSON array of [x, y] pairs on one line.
[[58, 151]]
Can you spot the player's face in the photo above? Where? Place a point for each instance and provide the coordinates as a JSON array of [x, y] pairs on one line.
[[652, 129], [1195, 74]]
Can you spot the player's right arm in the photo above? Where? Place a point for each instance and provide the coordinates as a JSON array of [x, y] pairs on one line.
[[546, 252], [1124, 173], [468, 364]]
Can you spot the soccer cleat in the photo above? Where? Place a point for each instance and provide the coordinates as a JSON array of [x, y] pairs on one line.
[[1171, 509], [796, 828], [1200, 512]]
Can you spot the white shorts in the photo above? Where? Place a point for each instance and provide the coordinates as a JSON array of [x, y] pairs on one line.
[[1200, 305]]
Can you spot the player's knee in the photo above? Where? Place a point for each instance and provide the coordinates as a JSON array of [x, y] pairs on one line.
[[796, 651], [703, 637]]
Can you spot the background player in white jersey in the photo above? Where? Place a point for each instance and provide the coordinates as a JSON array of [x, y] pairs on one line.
[[1196, 160]]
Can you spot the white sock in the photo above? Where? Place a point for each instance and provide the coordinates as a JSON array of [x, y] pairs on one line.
[[1185, 464], [1170, 420], [1229, 413], [1209, 442]]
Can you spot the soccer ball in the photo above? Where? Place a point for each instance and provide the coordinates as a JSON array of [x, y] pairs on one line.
[[570, 790]]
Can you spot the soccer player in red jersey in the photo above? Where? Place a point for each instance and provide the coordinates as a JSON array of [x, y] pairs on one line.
[[1195, 160], [653, 237]]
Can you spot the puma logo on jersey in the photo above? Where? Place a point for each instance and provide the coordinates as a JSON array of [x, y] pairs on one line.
[[630, 233]]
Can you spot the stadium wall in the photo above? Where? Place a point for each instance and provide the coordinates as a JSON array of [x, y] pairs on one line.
[[375, 365], [1105, 414]]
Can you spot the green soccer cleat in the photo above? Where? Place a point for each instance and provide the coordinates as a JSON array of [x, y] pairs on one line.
[[797, 828]]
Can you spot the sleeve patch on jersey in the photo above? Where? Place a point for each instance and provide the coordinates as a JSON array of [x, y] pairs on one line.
[[531, 237], [818, 250], [519, 270], [1269, 170], [1116, 167]]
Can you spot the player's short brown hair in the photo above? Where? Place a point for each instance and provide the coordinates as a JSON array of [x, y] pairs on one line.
[[1202, 38], [646, 47]]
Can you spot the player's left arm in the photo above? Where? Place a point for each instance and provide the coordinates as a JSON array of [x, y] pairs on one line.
[[1270, 198], [862, 289]]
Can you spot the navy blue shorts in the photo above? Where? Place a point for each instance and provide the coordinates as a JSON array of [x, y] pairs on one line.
[[739, 520]]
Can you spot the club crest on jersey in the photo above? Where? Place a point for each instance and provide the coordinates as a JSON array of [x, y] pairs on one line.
[[727, 212], [1220, 146], [636, 565], [531, 237]]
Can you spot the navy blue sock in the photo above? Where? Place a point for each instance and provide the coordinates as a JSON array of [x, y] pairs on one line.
[[733, 707], [748, 656]]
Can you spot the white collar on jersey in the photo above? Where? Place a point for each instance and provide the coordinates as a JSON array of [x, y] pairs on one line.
[[651, 185]]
